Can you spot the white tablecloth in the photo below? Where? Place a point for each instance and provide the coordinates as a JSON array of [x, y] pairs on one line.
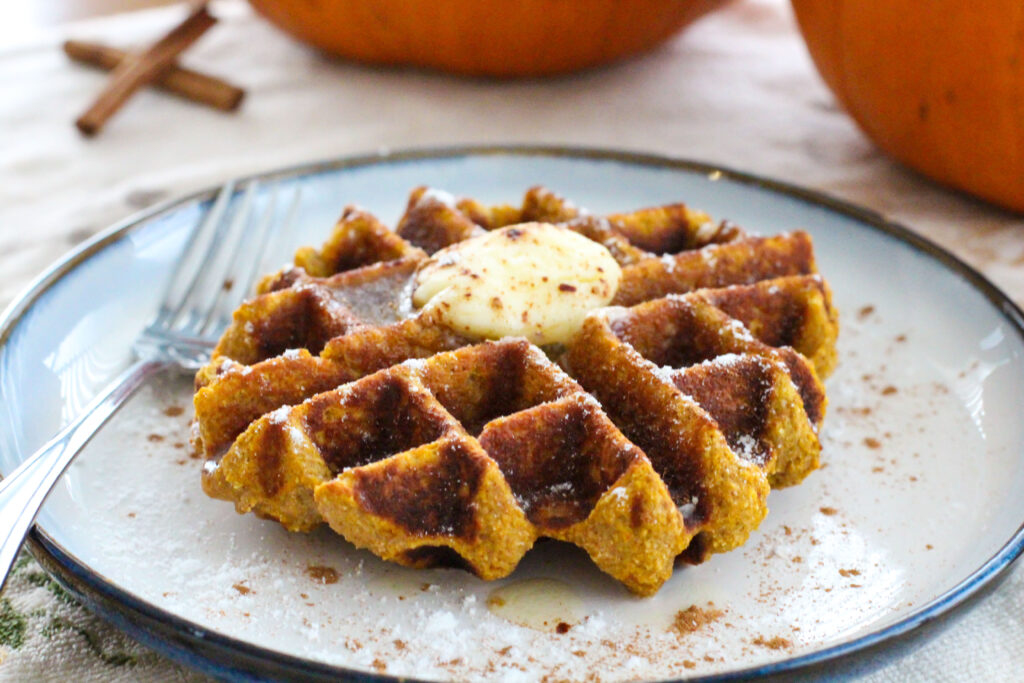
[[737, 89]]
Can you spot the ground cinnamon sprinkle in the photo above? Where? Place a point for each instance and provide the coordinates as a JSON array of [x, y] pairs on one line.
[[173, 411], [849, 572], [828, 511], [322, 574], [242, 588], [693, 618], [776, 643]]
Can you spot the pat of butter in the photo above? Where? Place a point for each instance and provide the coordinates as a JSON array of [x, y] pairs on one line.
[[532, 280]]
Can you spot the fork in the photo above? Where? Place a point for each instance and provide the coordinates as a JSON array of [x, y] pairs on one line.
[[218, 265]]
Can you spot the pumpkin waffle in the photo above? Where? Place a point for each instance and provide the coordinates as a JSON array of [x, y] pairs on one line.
[[654, 434]]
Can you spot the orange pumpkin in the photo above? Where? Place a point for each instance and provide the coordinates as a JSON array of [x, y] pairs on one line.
[[938, 85], [484, 37]]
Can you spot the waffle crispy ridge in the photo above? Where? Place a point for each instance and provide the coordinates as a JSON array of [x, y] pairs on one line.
[[653, 435]]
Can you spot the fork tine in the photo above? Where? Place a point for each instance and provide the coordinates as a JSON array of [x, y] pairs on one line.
[[277, 242], [243, 271], [188, 267], [219, 280], [204, 289], [265, 236]]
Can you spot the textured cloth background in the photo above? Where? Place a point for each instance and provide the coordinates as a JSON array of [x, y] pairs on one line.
[[737, 89]]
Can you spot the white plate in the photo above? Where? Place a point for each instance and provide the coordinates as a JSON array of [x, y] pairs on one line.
[[919, 504]]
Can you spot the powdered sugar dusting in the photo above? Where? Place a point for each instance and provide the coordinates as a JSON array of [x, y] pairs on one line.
[[666, 373], [415, 364], [440, 196], [229, 365], [561, 488], [739, 330], [296, 437], [279, 416], [706, 232], [669, 262], [588, 402], [728, 359], [747, 447], [614, 314]]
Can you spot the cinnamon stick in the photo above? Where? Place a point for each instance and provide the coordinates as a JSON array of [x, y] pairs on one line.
[[186, 83], [135, 72]]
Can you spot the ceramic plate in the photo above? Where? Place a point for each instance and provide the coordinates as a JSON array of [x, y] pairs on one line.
[[918, 505]]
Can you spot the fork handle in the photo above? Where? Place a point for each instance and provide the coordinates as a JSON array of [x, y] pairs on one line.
[[23, 493]]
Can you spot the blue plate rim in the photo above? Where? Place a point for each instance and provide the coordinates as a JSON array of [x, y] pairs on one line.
[[227, 657]]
